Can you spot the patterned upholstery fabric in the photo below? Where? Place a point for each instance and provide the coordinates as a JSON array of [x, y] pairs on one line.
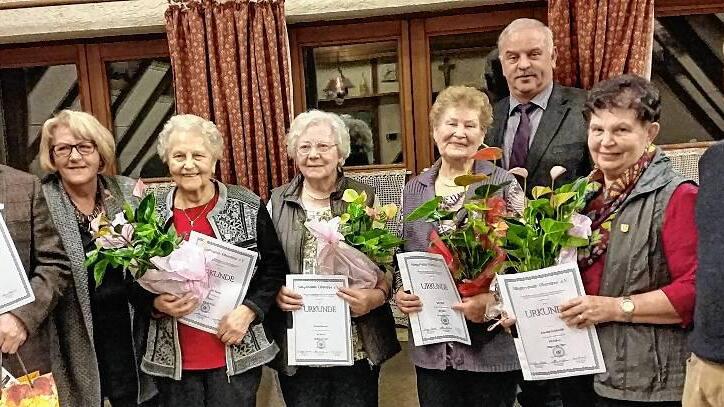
[[686, 161]]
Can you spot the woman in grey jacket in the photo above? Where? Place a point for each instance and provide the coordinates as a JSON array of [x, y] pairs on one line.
[[319, 143], [97, 333]]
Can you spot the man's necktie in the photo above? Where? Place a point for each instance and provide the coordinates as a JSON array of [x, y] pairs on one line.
[[519, 153]]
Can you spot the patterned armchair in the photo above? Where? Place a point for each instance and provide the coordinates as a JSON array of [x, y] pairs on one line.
[[685, 157]]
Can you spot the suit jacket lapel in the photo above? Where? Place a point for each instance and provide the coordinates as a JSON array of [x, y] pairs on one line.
[[547, 129]]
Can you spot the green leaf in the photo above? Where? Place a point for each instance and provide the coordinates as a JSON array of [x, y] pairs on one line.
[[554, 226], [146, 209], [561, 198], [576, 242], [539, 191], [128, 212], [424, 211], [486, 191], [99, 271]]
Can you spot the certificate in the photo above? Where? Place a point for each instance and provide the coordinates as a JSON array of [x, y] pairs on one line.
[[15, 290], [427, 276], [321, 333], [546, 346], [230, 271]]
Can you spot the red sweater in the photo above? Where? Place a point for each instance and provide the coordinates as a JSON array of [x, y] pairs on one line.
[[679, 238], [200, 350]]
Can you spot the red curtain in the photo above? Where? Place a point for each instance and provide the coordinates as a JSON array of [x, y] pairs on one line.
[[230, 65], [598, 39]]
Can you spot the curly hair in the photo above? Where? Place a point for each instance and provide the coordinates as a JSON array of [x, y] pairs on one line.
[[189, 122], [625, 92], [465, 97]]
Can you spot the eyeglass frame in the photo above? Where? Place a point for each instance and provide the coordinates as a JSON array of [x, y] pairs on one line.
[[74, 147], [316, 147]]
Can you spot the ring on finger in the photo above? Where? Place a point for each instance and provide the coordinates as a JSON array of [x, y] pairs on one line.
[[580, 317]]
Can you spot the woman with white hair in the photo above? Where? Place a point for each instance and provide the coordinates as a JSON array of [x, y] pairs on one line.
[[195, 368], [319, 143]]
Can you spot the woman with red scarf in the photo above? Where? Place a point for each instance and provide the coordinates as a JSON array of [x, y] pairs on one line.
[[639, 270]]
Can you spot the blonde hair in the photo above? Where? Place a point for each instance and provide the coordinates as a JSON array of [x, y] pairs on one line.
[[85, 127], [191, 123], [465, 97]]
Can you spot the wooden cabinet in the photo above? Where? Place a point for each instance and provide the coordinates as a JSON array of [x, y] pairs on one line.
[[403, 64]]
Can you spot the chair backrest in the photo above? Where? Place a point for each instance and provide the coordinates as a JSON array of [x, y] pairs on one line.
[[388, 185], [686, 161]]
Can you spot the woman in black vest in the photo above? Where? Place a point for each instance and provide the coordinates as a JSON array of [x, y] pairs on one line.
[[319, 143], [639, 270]]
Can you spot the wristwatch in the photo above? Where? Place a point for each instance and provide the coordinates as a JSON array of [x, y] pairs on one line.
[[627, 306]]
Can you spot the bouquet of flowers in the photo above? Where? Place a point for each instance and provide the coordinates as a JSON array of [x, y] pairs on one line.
[[551, 228], [136, 241], [472, 244], [32, 390], [356, 244]]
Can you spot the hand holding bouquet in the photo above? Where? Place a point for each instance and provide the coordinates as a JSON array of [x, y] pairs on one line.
[[356, 244], [135, 241], [471, 245]]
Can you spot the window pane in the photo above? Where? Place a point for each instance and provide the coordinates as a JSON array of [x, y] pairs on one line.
[[469, 59], [141, 93], [361, 81], [28, 97], [687, 68]]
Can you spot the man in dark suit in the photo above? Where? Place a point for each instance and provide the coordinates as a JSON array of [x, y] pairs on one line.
[[540, 125], [705, 369], [48, 269]]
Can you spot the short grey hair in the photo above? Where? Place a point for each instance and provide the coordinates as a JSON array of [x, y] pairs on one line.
[[525, 24], [303, 121], [191, 123]]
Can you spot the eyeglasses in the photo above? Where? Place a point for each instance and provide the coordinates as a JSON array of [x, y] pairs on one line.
[[65, 150], [305, 149]]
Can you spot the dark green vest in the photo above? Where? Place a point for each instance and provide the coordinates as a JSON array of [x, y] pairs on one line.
[[644, 362]]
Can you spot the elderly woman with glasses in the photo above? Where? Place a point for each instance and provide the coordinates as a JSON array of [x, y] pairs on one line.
[[319, 143], [96, 331], [195, 368]]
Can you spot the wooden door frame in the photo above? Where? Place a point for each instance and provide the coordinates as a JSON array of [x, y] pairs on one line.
[[668, 8], [421, 30], [395, 30], [45, 55], [101, 53]]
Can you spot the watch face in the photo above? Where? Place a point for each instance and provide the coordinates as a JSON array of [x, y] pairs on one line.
[[627, 306]]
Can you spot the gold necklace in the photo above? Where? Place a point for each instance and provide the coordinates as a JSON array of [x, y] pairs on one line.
[[318, 198], [191, 221]]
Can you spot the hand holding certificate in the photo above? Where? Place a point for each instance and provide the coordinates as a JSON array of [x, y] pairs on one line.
[[230, 271], [546, 346], [427, 276], [321, 333]]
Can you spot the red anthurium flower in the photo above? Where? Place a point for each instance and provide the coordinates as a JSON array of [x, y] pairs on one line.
[[488, 154]]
